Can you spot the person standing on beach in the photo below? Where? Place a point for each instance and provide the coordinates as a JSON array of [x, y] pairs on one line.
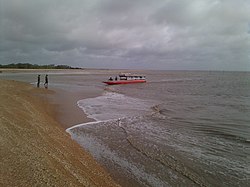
[[38, 81], [46, 83]]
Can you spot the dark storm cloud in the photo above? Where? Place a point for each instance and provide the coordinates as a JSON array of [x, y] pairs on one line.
[[168, 34]]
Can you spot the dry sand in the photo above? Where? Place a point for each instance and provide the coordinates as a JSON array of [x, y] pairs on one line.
[[34, 149]]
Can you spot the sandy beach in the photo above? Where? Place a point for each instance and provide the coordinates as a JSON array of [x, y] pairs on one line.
[[35, 149]]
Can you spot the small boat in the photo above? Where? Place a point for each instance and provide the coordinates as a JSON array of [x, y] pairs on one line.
[[126, 79]]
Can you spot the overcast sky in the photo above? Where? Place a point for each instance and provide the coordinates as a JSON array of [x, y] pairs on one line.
[[134, 34]]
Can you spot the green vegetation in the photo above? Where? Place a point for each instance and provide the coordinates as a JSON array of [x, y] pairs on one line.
[[35, 66]]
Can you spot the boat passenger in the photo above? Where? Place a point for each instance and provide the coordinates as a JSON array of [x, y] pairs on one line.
[[110, 78], [116, 78]]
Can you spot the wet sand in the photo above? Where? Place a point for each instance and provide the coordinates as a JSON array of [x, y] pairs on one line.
[[66, 110], [35, 150]]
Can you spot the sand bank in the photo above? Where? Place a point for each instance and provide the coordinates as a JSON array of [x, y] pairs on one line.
[[35, 149]]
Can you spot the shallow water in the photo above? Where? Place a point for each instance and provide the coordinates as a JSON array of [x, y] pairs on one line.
[[179, 129]]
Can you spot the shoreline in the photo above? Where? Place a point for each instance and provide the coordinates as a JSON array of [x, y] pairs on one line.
[[66, 110], [64, 102], [35, 149], [63, 107]]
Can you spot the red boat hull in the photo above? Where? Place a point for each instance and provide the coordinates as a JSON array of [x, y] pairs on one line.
[[124, 82]]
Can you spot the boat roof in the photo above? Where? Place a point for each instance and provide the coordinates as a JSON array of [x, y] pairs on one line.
[[130, 75]]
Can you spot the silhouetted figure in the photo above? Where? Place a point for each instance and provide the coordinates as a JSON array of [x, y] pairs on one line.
[[116, 78], [38, 81], [46, 83], [110, 78]]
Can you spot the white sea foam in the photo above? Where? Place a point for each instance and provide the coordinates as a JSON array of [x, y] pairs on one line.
[[110, 107], [68, 130], [114, 106]]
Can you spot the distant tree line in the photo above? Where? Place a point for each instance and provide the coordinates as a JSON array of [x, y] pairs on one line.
[[35, 66]]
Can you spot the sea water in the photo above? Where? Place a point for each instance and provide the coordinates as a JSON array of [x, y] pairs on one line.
[[180, 128]]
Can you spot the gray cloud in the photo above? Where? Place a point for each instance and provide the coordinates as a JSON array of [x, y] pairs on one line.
[[159, 34]]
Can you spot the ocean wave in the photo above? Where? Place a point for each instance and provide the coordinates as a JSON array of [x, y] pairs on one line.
[[112, 105]]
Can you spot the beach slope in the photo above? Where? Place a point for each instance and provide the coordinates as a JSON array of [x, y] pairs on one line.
[[34, 149]]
